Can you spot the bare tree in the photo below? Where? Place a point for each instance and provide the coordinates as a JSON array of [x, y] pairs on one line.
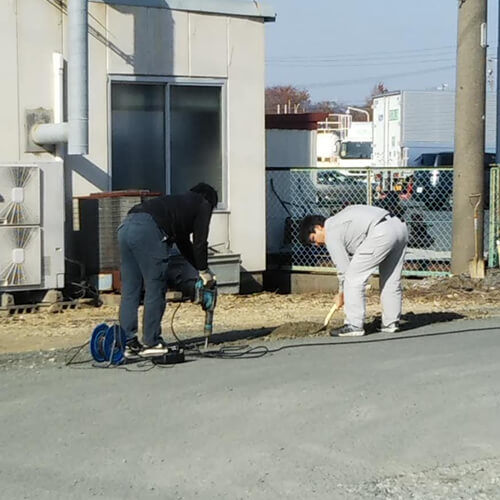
[[327, 107], [378, 89], [287, 97]]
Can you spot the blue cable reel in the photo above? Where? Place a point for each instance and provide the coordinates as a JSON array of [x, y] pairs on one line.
[[107, 344]]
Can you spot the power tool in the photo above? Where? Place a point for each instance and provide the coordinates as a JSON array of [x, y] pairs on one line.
[[206, 296]]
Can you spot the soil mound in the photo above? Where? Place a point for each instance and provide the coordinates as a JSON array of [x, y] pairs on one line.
[[296, 330]]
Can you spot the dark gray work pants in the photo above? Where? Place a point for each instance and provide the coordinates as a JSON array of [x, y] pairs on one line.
[[144, 262]]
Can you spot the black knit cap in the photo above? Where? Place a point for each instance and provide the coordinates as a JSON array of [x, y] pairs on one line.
[[208, 192]]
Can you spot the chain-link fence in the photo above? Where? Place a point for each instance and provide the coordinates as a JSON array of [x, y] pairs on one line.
[[422, 198]]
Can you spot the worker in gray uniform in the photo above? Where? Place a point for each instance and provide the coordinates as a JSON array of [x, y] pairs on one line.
[[361, 238]]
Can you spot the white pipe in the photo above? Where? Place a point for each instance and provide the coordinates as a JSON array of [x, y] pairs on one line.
[[58, 75], [50, 133], [58, 97], [57, 132], [76, 131], [360, 111], [78, 96]]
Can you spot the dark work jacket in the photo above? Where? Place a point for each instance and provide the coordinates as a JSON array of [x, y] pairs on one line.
[[179, 216]]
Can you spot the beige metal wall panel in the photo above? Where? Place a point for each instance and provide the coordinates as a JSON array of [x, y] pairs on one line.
[[142, 41], [120, 24], [246, 142], [39, 35], [98, 87], [9, 121], [291, 148], [218, 236], [208, 37], [81, 186], [180, 41], [153, 42]]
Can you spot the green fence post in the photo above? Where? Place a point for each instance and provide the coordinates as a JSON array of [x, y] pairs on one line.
[[494, 217], [369, 186]]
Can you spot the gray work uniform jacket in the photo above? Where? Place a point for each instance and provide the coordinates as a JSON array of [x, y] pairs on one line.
[[346, 231]]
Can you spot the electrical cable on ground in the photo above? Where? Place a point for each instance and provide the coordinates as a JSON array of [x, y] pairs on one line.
[[244, 351]]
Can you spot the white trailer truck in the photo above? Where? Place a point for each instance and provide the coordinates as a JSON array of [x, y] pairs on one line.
[[407, 124]]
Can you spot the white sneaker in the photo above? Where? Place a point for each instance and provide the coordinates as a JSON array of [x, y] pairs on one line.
[[390, 329], [154, 350], [347, 331], [133, 348]]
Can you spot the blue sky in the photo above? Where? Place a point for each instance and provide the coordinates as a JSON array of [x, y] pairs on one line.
[[338, 50]]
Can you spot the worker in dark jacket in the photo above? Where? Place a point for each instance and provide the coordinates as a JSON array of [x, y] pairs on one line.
[[145, 237]]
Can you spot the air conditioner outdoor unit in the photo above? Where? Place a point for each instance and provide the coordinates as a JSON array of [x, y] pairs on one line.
[[31, 226]]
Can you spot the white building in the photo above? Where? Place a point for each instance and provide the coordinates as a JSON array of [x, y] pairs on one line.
[[175, 96]]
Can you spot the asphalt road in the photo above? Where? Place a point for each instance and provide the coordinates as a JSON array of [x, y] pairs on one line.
[[386, 416]]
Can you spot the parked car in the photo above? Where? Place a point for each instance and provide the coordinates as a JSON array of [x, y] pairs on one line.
[[336, 190], [434, 187]]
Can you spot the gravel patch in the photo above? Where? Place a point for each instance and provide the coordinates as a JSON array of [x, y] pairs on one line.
[[472, 481]]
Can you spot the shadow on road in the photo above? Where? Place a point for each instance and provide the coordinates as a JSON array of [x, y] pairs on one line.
[[232, 336], [410, 320]]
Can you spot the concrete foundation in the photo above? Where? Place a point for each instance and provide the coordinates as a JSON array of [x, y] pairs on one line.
[[251, 282], [298, 282]]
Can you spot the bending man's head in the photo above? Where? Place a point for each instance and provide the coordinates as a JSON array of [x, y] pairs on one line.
[[208, 192], [312, 230]]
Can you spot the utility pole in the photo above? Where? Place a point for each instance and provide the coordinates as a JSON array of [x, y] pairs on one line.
[[498, 90], [468, 175]]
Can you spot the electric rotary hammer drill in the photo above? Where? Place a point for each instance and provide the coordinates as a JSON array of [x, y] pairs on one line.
[[206, 296]]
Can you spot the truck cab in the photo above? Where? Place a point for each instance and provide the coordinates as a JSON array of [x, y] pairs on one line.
[[356, 148]]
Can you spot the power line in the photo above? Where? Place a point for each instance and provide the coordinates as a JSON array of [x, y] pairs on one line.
[[364, 53], [375, 78], [385, 62], [365, 56]]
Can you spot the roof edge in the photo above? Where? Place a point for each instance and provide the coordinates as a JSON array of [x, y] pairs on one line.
[[246, 8], [295, 121]]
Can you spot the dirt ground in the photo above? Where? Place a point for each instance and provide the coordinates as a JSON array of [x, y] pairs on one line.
[[266, 316]]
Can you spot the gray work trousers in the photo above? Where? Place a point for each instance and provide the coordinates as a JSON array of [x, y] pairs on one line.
[[384, 247], [144, 262]]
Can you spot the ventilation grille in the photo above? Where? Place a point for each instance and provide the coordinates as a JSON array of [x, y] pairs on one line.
[[20, 256], [19, 196]]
